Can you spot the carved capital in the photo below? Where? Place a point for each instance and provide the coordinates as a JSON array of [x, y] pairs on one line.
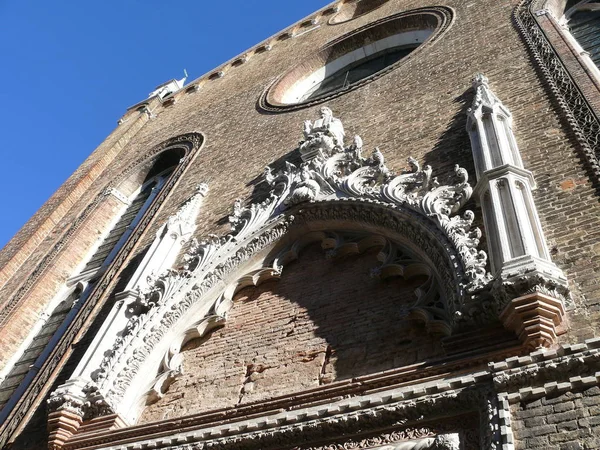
[[80, 397], [535, 318]]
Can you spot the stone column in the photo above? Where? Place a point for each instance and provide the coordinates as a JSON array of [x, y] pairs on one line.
[[530, 287]]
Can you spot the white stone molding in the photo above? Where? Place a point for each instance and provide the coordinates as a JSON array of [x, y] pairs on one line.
[[341, 417], [440, 442], [118, 195], [504, 190], [171, 365], [502, 416], [136, 298], [170, 238], [526, 378], [520, 259], [334, 186]]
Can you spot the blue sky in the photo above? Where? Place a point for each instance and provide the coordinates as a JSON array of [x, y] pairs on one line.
[[71, 68]]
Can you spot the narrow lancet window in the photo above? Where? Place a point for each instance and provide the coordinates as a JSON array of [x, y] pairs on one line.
[[54, 322], [583, 21]]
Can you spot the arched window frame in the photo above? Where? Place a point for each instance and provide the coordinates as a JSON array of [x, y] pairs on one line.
[[81, 284], [21, 407], [583, 53], [84, 279], [571, 80]]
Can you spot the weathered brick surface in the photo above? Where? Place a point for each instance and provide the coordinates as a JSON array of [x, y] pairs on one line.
[[325, 320], [570, 421], [417, 109], [53, 212], [52, 282]]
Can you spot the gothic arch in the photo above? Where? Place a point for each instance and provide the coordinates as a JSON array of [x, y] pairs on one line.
[[189, 305], [336, 190], [186, 145], [190, 143], [569, 75]]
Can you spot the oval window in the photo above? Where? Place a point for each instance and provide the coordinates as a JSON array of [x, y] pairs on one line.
[[357, 58]]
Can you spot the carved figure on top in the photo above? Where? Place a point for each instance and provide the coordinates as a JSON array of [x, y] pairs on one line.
[[378, 161], [322, 136], [356, 148], [331, 173], [306, 189]]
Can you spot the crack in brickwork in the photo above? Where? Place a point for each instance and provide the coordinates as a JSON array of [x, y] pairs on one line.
[[323, 377]]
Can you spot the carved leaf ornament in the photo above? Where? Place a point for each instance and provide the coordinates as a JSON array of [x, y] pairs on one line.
[[334, 183]]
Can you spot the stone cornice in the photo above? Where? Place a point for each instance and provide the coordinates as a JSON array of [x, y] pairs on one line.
[[337, 417], [519, 378]]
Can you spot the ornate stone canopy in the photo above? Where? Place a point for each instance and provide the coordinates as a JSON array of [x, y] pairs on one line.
[[338, 197]]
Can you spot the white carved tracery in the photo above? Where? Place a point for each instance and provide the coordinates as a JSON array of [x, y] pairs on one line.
[[440, 442], [334, 184], [139, 295]]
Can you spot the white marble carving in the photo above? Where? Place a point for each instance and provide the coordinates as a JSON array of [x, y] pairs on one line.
[[140, 358], [143, 292], [322, 135], [504, 189], [440, 442]]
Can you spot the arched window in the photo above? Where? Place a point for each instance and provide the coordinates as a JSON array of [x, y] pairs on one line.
[[583, 21], [60, 313]]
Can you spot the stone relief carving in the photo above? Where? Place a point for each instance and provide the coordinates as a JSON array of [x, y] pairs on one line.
[[330, 173], [322, 135], [191, 142], [80, 397], [334, 172], [440, 442], [406, 439]]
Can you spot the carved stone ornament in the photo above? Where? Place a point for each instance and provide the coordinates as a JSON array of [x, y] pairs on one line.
[[407, 439], [390, 419], [334, 184], [530, 291], [439, 442]]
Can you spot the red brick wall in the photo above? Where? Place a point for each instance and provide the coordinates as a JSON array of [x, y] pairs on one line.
[[325, 320], [417, 109], [569, 421], [20, 322]]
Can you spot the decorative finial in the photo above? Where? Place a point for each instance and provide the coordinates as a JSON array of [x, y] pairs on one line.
[[202, 189], [480, 80]]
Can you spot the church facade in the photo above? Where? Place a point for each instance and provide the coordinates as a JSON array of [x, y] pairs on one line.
[[377, 229]]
